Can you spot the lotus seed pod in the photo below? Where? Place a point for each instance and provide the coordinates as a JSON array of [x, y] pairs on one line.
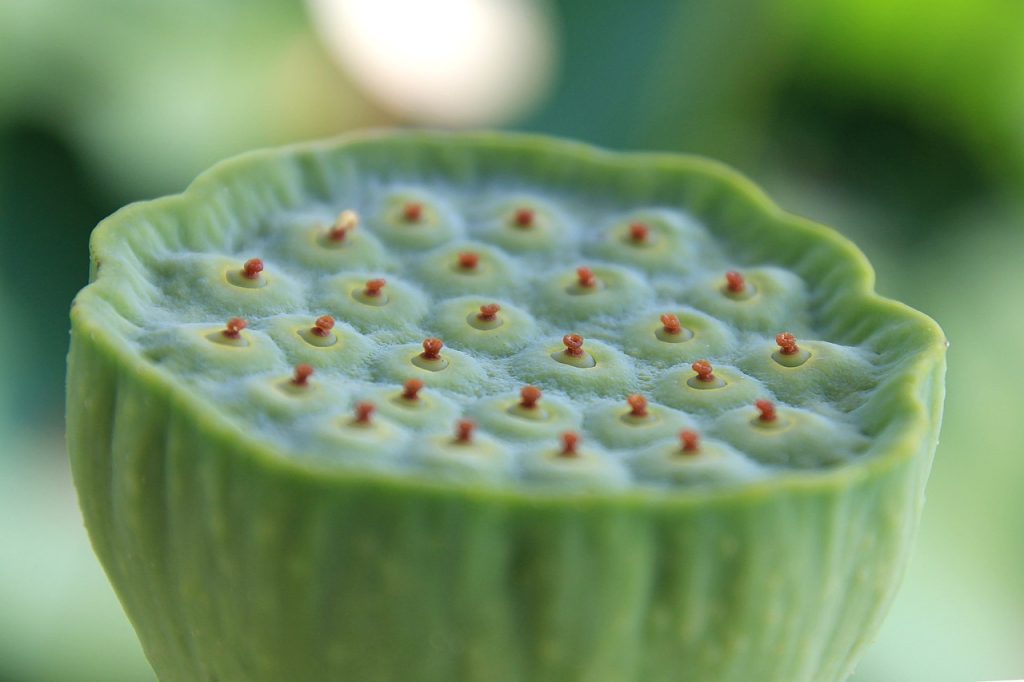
[[494, 408]]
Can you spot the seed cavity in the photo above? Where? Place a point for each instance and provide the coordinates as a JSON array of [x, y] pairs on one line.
[[231, 335], [411, 390], [346, 222], [638, 411], [412, 212], [320, 334], [705, 376], [586, 282], [672, 330], [574, 354], [430, 359], [464, 429], [301, 376], [768, 415], [527, 407], [570, 445], [364, 414], [372, 293], [689, 442], [737, 287], [487, 318], [523, 218], [639, 234], [468, 261], [250, 276], [789, 353]]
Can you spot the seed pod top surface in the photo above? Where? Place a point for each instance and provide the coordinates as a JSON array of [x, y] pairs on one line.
[[475, 265]]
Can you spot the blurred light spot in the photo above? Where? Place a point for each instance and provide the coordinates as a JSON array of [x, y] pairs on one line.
[[443, 62]]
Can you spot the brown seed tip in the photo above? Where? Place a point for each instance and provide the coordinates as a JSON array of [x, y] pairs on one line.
[[671, 323], [638, 405], [489, 312], [252, 268], [573, 345], [704, 370], [787, 343], [432, 348], [464, 431], [411, 389], [364, 412], [323, 326], [734, 282], [412, 212], [468, 260], [767, 409], [690, 441], [586, 278], [373, 287], [234, 327], [529, 396], [570, 444], [302, 374], [343, 224], [639, 232], [523, 217]]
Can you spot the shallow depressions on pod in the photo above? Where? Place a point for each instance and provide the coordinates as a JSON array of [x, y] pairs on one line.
[[433, 298]]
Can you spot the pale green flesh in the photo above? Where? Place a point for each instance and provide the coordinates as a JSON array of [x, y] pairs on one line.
[[254, 536], [190, 272]]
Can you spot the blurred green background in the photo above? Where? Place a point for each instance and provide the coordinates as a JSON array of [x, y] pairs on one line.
[[901, 122]]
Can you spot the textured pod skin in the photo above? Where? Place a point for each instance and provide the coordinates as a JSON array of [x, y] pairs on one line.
[[236, 564]]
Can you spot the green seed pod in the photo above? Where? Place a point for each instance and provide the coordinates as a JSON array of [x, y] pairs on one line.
[[302, 454]]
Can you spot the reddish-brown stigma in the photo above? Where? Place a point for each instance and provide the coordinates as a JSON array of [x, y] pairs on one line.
[[323, 326], [787, 343], [468, 260], [489, 312], [639, 232], [570, 444], [573, 345], [671, 324], [233, 329], [464, 431], [364, 412], [412, 212], [637, 405], [529, 396], [767, 409], [252, 268], [302, 374], [704, 370], [586, 278], [734, 282], [373, 287], [432, 348], [690, 441], [523, 217], [411, 389], [346, 222]]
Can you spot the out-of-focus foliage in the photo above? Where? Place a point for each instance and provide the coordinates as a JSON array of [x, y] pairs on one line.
[[897, 121]]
